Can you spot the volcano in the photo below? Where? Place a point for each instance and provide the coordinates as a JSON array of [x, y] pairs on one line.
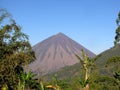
[[56, 52]]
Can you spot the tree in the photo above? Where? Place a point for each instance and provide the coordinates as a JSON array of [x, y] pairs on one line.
[[117, 37], [88, 64], [15, 50]]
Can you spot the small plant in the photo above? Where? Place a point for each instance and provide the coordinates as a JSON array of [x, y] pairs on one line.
[[41, 85], [28, 81], [55, 80], [83, 82]]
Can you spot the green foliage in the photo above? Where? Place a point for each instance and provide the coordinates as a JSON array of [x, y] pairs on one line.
[[15, 51], [102, 61], [87, 62], [118, 19], [83, 82], [117, 75], [115, 59], [88, 66], [113, 64], [28, 81], [98, 82], [55, 81], [117, 37], [4, 87], [41, 85], [54, 78], [63, 84], [4, 14]]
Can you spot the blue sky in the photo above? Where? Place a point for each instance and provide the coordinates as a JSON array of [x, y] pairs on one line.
[[89, 22]]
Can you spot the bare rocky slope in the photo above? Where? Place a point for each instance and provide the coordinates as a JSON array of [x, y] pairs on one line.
[[56, 52]]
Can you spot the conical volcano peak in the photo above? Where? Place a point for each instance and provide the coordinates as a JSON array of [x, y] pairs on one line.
[[56, 52], [59, 37], [60, 34]]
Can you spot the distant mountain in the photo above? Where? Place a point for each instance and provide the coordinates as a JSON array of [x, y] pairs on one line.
[[56, 52]]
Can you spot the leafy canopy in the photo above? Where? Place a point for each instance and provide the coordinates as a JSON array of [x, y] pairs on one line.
[[117, 37], [15, 50]]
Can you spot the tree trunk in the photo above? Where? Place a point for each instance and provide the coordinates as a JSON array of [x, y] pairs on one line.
[[86, 78]]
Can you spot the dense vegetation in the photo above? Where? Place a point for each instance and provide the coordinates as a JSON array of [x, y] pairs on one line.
[[90, 74], [15, 53], [117, 37]]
